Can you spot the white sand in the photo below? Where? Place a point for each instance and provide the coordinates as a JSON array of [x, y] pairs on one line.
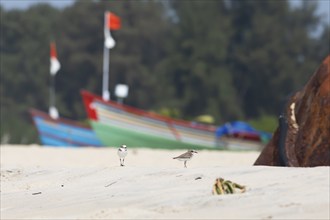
[[88, 183]]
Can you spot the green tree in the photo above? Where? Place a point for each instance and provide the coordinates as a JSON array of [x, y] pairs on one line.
[[271, 52], [24, 68], [196, 65]]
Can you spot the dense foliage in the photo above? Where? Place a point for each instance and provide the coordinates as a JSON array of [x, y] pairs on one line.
[[234, 60]]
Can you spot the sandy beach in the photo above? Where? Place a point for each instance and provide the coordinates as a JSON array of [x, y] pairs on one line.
[[87, 183]]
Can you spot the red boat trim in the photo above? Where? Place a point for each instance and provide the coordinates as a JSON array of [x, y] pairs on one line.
[[88, 100]]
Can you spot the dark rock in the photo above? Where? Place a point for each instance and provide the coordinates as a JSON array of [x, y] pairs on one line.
[[303, 136]]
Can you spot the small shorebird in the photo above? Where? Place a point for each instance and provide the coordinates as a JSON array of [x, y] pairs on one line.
[[186, 156], [122, 153]]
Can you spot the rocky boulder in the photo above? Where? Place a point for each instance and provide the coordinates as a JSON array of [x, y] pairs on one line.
[[302, 138]]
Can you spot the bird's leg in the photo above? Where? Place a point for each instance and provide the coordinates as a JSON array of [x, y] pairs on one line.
[[120, 162], [185, 162], [123, 161]]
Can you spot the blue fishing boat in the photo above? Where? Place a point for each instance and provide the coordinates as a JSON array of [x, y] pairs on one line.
[[54, 130], [62, 132]]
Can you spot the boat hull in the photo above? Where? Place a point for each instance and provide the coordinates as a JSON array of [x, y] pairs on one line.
[[63, 132], [113, 136], [238, 144], [117, 124]]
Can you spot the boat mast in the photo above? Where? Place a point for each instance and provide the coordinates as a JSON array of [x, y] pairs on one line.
[[108, 43], [52, 109], [105, 83], [54, 68]]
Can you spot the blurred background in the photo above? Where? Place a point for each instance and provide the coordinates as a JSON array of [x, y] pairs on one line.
[[230, 59]]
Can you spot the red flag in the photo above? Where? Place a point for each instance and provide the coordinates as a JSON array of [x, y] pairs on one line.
[[114, 22], [54, 63], [53, 53], [111, 22]]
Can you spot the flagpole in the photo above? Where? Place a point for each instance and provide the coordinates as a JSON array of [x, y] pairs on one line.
[[106, 57], [105, 89], [52, 109], [109, 43], [52, 91], [54, 67]]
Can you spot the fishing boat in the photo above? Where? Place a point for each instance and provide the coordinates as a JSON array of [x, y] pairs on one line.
[[239, 135], [62, 132], [239, 144], [54, 130], [117, 124]]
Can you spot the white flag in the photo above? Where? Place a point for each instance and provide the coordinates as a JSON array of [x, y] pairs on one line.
[[54, 63]]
